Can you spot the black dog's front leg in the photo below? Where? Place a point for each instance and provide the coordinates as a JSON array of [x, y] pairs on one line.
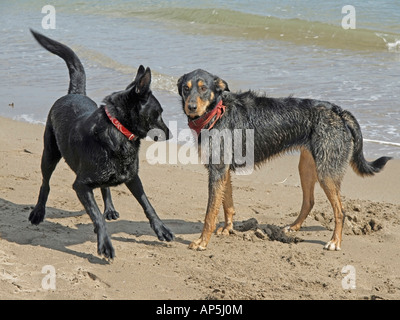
[[85, 195], [109, 211], [162, 232]]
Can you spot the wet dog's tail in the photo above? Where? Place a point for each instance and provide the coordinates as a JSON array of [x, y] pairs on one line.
[[361, 166], [77, 76]]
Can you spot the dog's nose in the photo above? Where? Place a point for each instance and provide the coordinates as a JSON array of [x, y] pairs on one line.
[[192, 107], [168, 134]]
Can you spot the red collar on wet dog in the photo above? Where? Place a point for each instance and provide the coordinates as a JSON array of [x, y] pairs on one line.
[[119, 126], [205, 119]]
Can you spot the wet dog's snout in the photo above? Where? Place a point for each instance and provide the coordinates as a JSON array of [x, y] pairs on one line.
[[192, 107]]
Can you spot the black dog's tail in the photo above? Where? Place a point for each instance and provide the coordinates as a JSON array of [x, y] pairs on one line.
[[77, 76], [361, 166]]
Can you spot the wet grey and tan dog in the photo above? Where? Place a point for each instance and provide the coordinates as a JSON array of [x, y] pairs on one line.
[[328, 137], [101, 145]]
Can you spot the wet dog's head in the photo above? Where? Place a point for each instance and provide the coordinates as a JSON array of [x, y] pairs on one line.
[[150, 110], [200, 91], [138, 105]]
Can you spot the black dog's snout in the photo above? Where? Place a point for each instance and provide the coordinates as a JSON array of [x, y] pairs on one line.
[[168, 135], [161, 133]]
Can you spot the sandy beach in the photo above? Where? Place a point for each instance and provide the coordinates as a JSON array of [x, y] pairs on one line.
[[245, 265]]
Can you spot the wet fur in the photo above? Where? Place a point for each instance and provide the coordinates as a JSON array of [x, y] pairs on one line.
[[101, 156], [328, 137]]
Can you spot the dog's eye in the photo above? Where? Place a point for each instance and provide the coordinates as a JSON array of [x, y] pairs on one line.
[[203, 88], [186, 89]]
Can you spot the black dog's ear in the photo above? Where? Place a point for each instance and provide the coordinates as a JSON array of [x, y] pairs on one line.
[[221, 85], [139, 73], [179, 84], [142, 81]]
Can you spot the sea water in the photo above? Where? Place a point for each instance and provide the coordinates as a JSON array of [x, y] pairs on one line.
[[280, 48]]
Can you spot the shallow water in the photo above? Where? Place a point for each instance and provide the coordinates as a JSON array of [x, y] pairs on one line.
[[278, 47]]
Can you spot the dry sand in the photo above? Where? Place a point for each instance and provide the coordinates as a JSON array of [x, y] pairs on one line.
[[245, 265]]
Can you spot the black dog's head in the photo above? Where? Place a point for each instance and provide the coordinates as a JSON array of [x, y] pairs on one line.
[[139, 109], [200, 91]]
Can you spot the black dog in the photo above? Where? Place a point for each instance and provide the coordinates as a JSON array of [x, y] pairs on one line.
[[328, 137], [100, 149]]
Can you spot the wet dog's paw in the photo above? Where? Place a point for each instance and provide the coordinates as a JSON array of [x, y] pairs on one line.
[[104, 246], [37, 214], [111, 215], [224, 231], [290, 229], [333, 245], [198, 245], [162, 231]]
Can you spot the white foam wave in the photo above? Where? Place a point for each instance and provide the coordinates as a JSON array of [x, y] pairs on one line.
[[395, 144], [28, 118], [392, 46]]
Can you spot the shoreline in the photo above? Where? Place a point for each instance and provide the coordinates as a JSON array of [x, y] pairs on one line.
[[25, 119]]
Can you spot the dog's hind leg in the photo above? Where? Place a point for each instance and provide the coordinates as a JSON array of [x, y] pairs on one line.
[[308, 178], [162, 232], [216, 192], [109, 211], [331, 189], [229, 210], [50, 157], [85, 195]]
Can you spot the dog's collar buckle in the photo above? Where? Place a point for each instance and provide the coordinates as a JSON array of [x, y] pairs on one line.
[[119, 126]]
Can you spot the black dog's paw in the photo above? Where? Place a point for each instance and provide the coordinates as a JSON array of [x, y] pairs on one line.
[[111, 215], [104, 246], [37, 214], [162, 231]]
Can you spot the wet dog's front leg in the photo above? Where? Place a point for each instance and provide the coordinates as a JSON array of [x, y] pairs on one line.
[[162, 232], [85, 195], [109, 211], [217, 181]]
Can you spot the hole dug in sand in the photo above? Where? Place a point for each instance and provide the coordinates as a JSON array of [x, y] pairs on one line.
[[361, 217]]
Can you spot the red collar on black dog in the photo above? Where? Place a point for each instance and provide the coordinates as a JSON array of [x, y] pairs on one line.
[[201, 122], [119, 126]]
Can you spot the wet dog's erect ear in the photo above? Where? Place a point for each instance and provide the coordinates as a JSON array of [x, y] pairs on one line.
[[142, 81], [139, 73], [221, 85]]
